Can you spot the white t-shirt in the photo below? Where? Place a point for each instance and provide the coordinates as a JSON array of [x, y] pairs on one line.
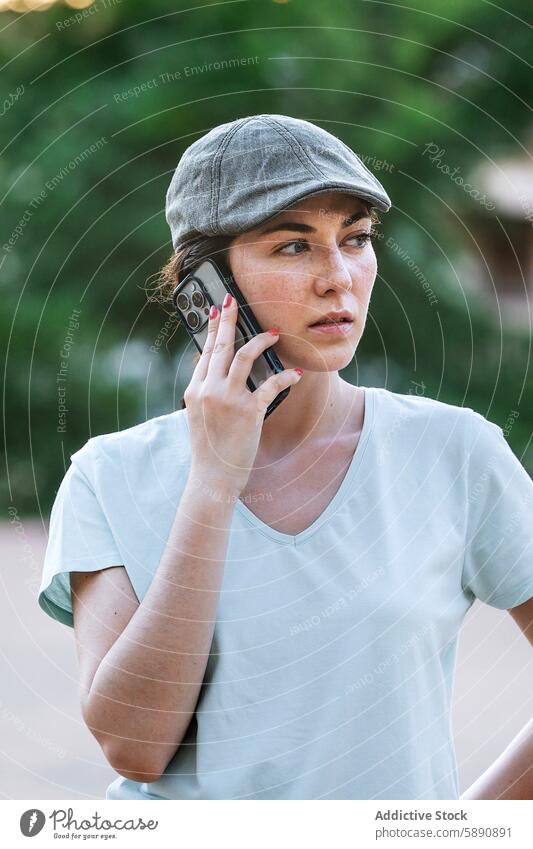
[[331, 668]]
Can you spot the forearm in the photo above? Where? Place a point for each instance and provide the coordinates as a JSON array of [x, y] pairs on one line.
[[511, 774], [145, 690]]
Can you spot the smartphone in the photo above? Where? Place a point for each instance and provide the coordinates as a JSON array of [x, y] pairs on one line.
[[207, 284]]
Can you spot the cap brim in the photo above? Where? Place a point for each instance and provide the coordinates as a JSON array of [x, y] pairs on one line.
[[382, 203]]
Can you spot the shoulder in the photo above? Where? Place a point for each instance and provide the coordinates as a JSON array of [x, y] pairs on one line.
[[422, 411], [151, 443], [431, 429]]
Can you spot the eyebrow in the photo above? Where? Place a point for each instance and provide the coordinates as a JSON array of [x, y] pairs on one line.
[[306, 228]]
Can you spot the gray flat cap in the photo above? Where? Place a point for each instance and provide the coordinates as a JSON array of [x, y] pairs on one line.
[[242, 173]]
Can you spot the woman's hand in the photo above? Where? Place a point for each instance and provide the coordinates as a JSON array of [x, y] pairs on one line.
[[225, 418]]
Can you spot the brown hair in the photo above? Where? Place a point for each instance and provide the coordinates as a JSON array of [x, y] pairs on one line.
[[184, 259]]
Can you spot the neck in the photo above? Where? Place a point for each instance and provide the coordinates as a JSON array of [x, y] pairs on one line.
[[320, 406]]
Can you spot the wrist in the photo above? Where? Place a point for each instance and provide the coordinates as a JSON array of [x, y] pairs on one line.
[[216, 488]]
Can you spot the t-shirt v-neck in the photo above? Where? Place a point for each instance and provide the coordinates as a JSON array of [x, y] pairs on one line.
[[338, 498]]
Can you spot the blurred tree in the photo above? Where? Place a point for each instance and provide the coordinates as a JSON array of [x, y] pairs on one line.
[[111, 96]]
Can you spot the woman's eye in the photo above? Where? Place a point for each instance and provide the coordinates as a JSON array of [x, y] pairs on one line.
[[290, 245], [362, 239]]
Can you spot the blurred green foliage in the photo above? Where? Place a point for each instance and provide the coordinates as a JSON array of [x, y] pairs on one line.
[[111, 99]]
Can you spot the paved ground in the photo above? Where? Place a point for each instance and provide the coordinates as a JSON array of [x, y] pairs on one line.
[[48, 753]]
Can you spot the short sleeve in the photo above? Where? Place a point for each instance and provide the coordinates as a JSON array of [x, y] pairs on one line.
[[79, 538], [498, 562]]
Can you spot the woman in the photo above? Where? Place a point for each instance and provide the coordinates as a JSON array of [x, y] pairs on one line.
[[269, 608]]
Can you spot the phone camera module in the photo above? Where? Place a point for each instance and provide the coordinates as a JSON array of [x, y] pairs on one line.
[[182, 302], [198, 299], [193, 319]]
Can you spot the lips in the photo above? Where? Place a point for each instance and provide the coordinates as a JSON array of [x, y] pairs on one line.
[[332, 328], [331, 321], [334, 317]]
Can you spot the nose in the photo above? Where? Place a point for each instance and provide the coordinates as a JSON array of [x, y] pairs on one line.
[[331, 271]]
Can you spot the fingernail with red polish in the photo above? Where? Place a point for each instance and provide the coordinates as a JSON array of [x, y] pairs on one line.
[[298, 370], [274, 331], [227, 300], [213, 312]]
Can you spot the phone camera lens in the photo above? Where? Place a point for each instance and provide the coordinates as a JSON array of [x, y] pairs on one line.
[[182, 302], [198, 299], [193, 320]]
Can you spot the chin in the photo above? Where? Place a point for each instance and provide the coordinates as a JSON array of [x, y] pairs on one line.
[[319, 361], [318, 355], [332, 363]]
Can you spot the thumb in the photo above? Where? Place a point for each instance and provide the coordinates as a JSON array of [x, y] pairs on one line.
[[271, 388]]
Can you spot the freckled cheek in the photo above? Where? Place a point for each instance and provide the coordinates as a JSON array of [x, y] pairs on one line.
[[267, 294], [268, 301], [281, 312], [364, 277]]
